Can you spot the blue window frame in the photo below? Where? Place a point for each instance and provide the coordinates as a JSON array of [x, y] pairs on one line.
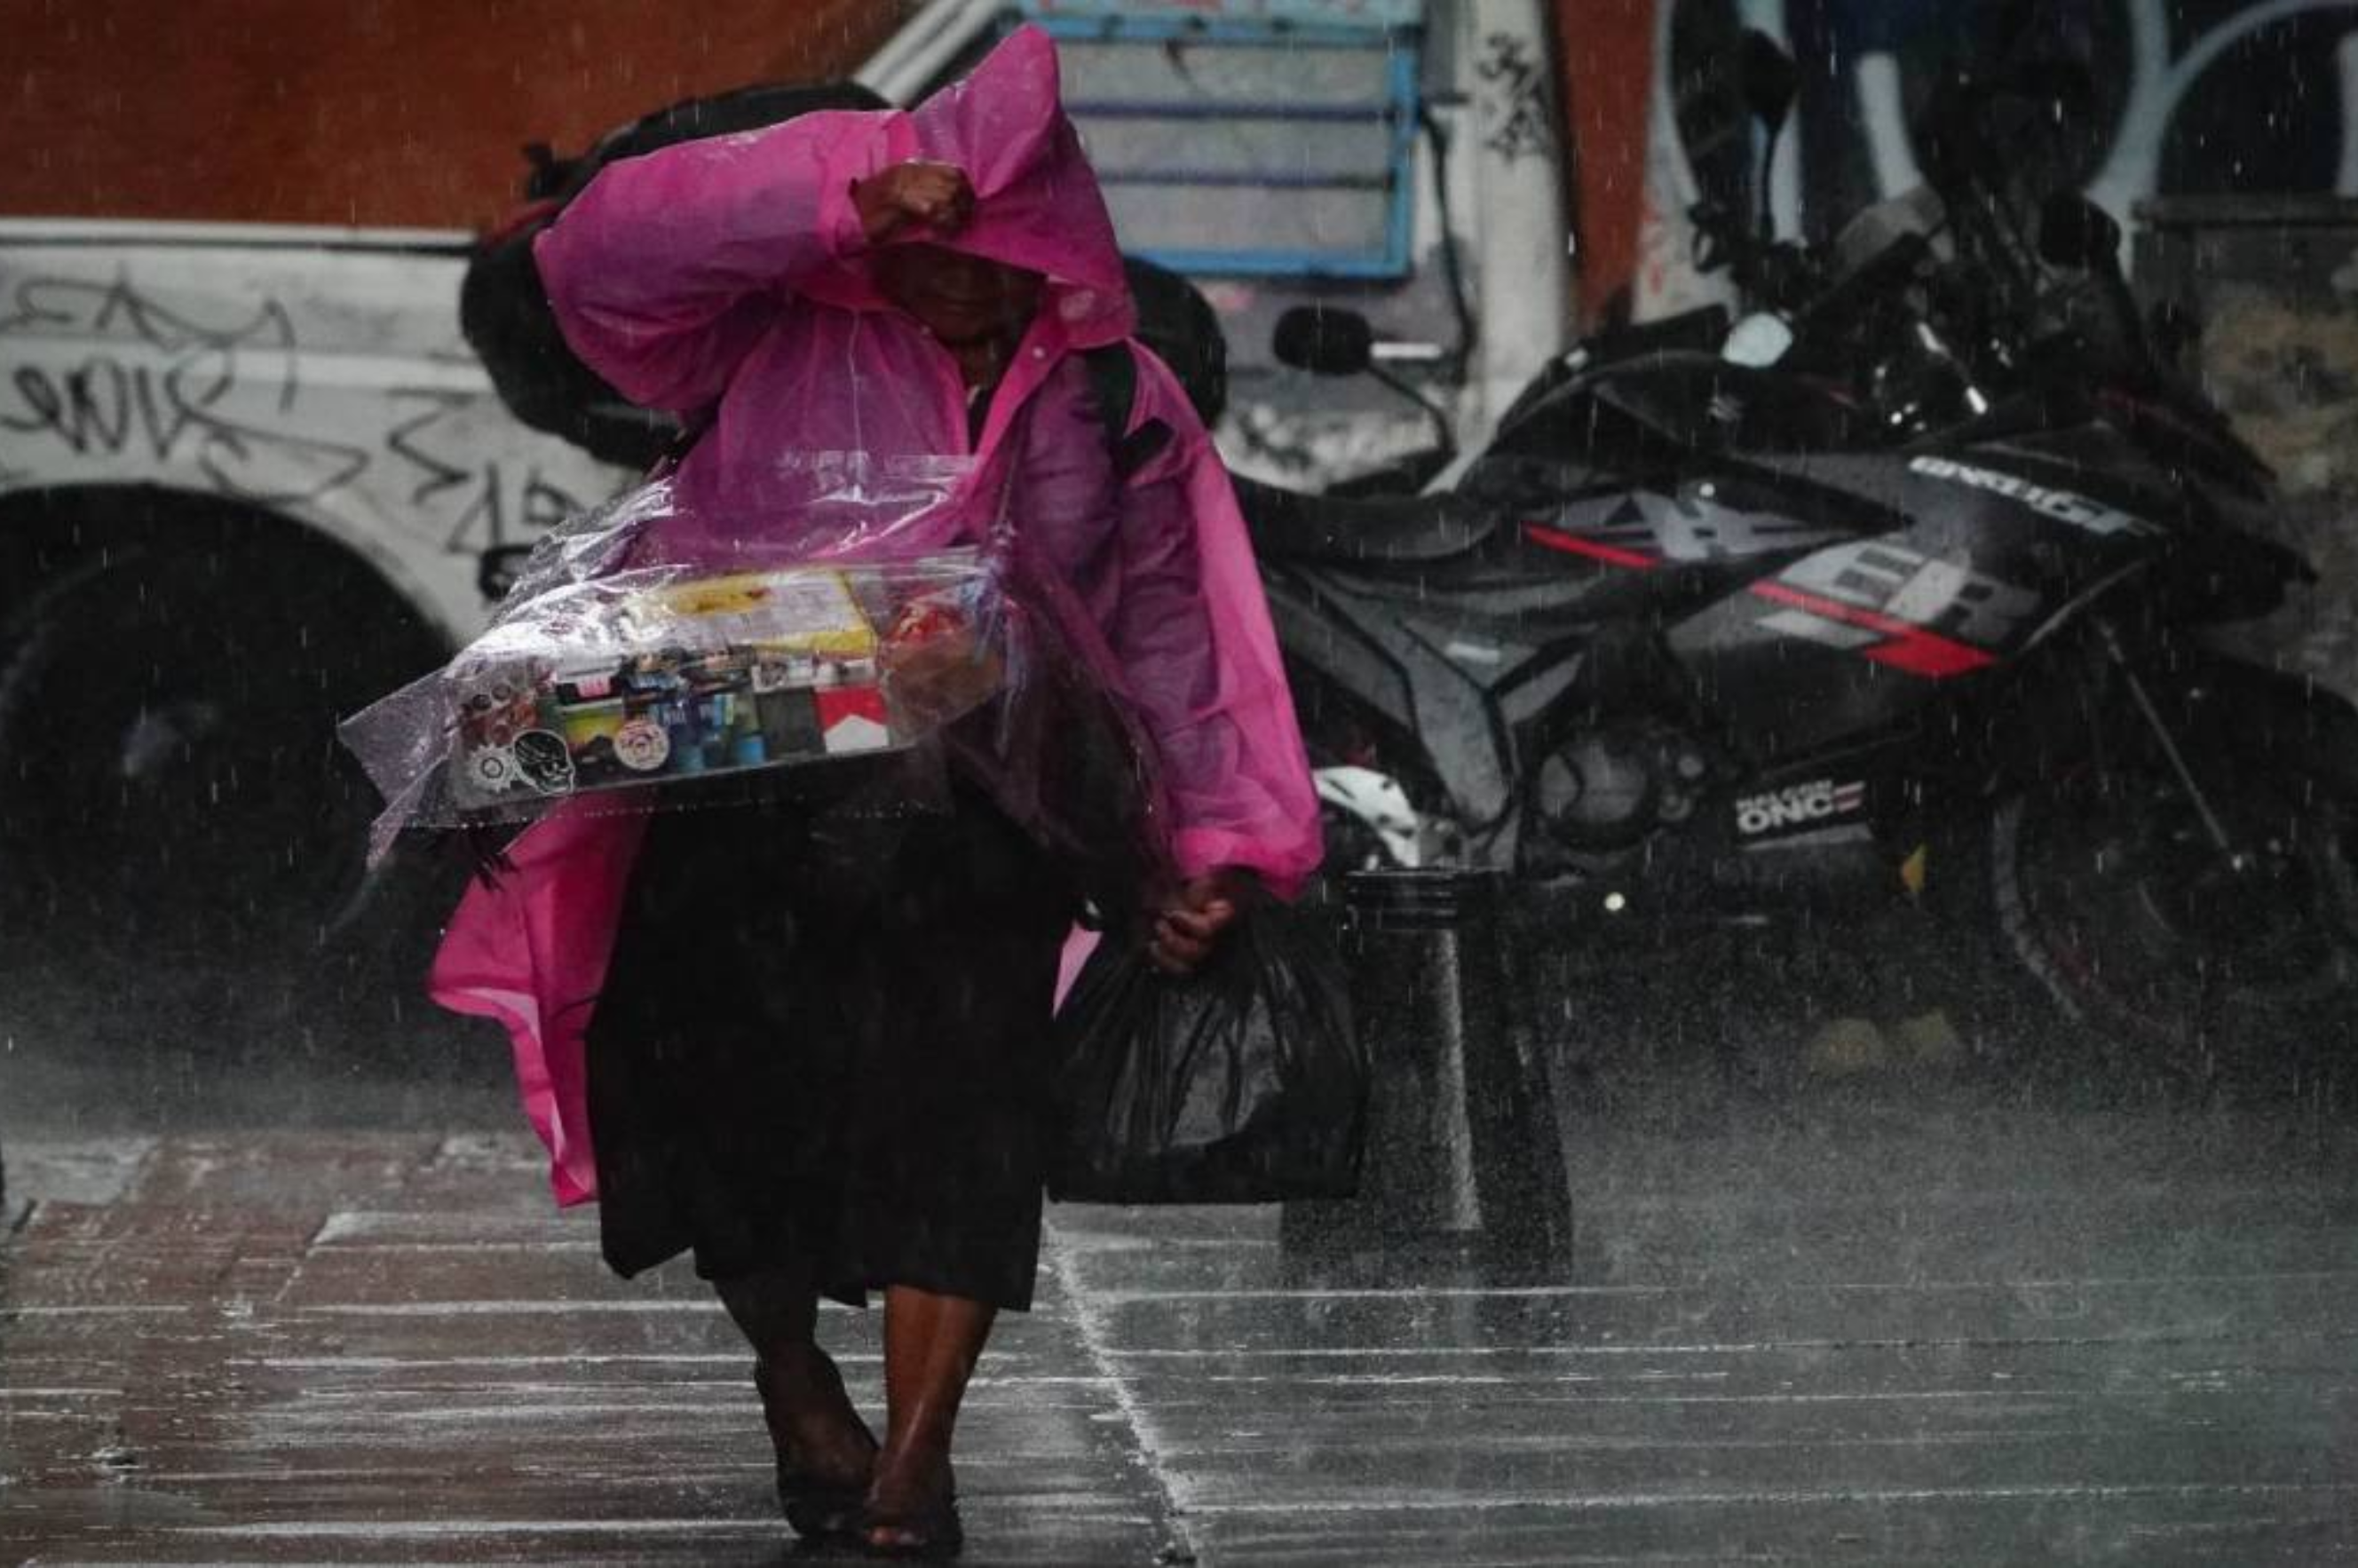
[[1275, 139]]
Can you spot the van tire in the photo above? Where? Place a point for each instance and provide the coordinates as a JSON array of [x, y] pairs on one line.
[[178, 822]]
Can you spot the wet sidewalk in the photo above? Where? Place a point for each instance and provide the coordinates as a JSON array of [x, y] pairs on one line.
[[1876, 1337], [363, 1348]]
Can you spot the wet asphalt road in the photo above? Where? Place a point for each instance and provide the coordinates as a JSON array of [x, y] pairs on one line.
[[319, 1315]]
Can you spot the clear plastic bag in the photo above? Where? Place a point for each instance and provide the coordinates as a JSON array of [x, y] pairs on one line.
[[647, 647], [659, 674]]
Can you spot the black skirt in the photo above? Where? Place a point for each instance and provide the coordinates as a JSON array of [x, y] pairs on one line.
[[824, 1046]]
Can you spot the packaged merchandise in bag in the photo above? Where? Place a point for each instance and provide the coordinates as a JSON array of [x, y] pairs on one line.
[[655, 677], [1244, 1081], [647, 644]]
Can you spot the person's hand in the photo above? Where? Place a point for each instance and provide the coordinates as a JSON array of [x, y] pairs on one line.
[[917, 194], [1189, 920]]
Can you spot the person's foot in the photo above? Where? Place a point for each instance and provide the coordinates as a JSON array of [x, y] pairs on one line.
[[911, 1507], [825, 1454]]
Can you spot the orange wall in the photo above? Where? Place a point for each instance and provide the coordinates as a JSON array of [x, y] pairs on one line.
[[364, 112], [1606, 51]]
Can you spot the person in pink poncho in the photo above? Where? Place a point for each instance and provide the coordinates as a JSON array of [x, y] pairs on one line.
[[813, 1048]]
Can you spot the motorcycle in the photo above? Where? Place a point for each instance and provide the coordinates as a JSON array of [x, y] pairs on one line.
[[1895, 591]]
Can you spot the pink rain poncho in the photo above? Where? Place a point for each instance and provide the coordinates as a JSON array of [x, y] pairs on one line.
[[727, 278]]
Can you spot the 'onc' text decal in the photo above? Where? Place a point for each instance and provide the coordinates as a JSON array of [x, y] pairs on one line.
[[1797, 805]]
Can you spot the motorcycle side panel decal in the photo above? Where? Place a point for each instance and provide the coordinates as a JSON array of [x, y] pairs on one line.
[[1595, 550], [1887, 641], [1643, 529], [1898, 607], [2063, 505], [1815, 628]]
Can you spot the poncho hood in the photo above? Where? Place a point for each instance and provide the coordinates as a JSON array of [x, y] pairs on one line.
[[1037, 204]]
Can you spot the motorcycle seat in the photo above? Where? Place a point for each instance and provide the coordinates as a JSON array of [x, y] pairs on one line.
[[1290, 524]]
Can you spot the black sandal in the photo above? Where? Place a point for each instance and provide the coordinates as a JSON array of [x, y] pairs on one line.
[[932, 1532], [818, 1506]]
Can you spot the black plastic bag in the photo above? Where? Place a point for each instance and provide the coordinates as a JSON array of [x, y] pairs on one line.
[[1242, 1083]]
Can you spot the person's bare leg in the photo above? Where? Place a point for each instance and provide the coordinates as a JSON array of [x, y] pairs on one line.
[[931, 1345], [810, 1417]]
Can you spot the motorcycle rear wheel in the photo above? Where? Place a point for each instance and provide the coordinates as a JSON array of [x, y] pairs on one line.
[[2111, 893]]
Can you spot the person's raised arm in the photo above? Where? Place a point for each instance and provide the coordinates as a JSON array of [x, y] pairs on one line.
[[665, 270]]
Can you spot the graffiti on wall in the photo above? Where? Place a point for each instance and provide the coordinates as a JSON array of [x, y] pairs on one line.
[[165, 388], [490, 497], [150, 389], [1521, 119]]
